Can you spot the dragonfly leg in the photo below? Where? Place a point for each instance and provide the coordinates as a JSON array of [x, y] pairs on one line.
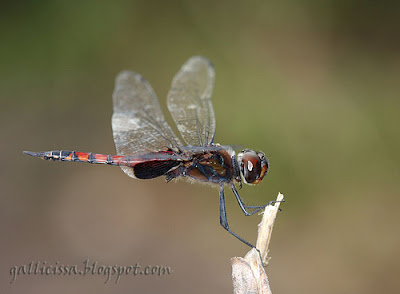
[[244, 208], [223, 220], [178, 172]]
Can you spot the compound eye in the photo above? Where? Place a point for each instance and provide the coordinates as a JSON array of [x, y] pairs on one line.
[[250, 166]]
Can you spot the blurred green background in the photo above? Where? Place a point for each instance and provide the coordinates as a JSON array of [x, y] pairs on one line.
[[315, 85]]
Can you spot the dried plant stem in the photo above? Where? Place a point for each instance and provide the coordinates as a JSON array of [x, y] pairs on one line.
[[248, 273]]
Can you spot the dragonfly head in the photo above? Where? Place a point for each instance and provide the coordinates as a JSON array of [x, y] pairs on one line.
[[253, 166]]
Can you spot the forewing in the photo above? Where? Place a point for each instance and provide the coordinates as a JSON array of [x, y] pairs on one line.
[[138, 123], [189, 101]]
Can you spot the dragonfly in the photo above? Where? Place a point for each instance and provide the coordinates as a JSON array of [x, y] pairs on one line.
[[147, 147]]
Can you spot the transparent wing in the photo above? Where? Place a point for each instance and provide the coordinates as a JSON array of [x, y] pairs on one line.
[[189, 101], [138, 123]]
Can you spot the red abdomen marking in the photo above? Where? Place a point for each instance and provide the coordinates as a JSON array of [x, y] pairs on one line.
[[76, 156]]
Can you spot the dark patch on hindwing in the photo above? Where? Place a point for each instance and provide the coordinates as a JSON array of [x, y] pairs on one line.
[[153, 169]]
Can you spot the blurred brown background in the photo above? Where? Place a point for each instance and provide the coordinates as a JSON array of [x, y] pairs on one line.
[[315, 85]]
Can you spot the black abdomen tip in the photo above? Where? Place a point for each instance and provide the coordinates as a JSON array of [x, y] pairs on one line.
[[36, 154]]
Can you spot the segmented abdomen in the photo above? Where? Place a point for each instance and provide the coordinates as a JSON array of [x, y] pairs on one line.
[[76, 156]]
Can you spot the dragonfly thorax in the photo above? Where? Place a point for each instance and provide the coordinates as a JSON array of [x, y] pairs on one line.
[[253, 166]]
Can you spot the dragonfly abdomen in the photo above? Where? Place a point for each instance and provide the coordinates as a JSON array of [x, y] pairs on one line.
[[76, 156]]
